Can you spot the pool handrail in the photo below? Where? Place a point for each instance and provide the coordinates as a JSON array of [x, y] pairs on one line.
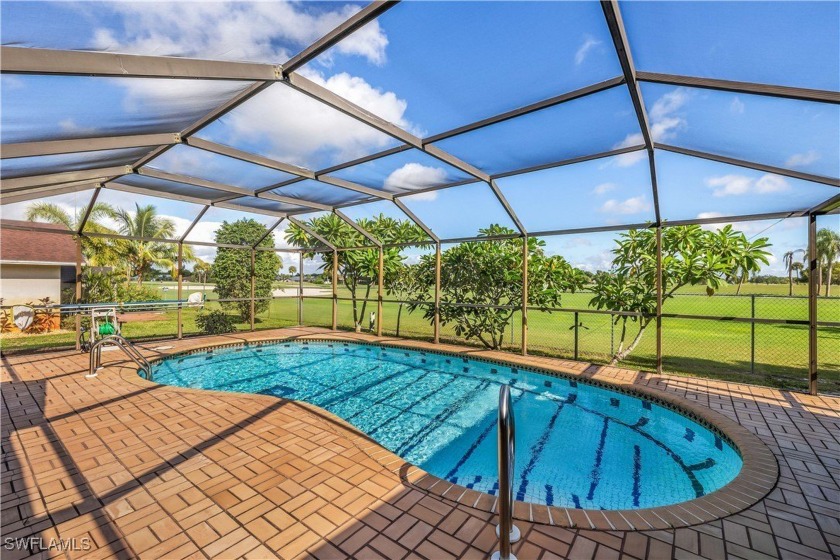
[[127, 347], [507, 532]]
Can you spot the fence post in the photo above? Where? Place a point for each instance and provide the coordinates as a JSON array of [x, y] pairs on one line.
[[752, 334], [437, 292], [659, 299], [525, 295], [78, 291], [612, 335], [180, 289], [253, 285], [335, 290], [379, 290], [300, 288], [813, 271], [577, 330]]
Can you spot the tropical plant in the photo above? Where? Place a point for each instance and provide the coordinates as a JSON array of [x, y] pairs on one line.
[[214, 322], [402, 283], [690, 256], [292, 271], [828, 253], [97, 251], [790, 265], [232, 267], [358, 269], [140, 255], [481, 284]]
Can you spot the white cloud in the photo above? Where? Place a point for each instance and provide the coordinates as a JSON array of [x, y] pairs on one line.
[[253, 31], [737, 106], [634, 205], [414, 176], [664, 125], [709, 215], [577, 242], [801, 160], [585, 48], [601, 260], [668, 104], [604, 188], [736, 185], [769, 183], [294, 127], [729, 185], [299, 130]]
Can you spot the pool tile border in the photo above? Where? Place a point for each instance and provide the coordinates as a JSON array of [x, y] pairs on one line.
[[757, 478]]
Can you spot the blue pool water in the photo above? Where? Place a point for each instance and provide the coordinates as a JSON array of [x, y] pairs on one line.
[[577, 445]]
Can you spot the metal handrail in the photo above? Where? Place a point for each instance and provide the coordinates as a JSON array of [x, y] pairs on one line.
[[128, 349], [507, 532]]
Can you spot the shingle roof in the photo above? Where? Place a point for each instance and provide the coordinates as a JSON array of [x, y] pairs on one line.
[[35, 246]]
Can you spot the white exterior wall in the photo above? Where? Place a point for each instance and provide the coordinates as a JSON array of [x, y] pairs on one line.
[[22, 283]]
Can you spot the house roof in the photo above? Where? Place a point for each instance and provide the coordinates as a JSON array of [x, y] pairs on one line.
[[36, 246]]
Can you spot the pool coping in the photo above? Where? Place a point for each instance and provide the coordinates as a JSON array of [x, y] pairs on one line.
[[758, 476]]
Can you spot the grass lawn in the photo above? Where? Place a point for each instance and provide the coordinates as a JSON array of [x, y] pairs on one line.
[[712, 348]]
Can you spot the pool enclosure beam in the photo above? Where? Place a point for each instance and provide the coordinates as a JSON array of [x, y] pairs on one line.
[[180, 331], [90, 175], [248, 157], [358, 228], [751, 165], [300, 288], [521, 111], [49, 190], [254, 286], [300, 172], [659, 295], [437, 293], [78, 318], [22, 60], [813, 279], [380, 289], [612, 13], [88, 210], [348, 27], [524, 310], [312, 233], [55, 147], [334, 289], [800, 94]]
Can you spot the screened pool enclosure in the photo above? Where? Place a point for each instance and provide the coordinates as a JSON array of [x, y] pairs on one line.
[[569, 123]]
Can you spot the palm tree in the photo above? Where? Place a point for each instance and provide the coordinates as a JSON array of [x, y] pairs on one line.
[[828, 252], [744, 256], [142, 256], [790, 263], [97, 251]]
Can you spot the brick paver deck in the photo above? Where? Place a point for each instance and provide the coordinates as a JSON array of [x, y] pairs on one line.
[[131, 469]]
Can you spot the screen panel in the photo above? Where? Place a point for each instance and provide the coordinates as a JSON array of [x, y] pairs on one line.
[[90, 107], [582, 127], [602, 192], [796, 42], [448, 64]]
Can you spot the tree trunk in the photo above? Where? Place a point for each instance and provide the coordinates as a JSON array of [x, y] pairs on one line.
[[740, 284], [828, 281], [621, 354], [790, 281], [399, 314], [819, 278]]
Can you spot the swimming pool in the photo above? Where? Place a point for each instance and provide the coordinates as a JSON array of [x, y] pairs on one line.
[[577, 445]]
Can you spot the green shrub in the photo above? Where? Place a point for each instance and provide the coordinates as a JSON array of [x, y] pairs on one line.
[[215, 322]]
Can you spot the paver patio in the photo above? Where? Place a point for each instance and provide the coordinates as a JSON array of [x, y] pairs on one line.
[[133, 469]]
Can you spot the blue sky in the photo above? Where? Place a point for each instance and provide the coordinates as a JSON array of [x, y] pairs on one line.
[[432, 66]]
